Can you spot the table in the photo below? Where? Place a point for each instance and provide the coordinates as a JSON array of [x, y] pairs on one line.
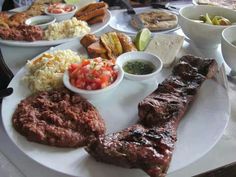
[[223, 153]]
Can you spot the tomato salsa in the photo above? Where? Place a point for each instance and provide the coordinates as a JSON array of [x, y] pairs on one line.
[[92, 74], [59, 8]]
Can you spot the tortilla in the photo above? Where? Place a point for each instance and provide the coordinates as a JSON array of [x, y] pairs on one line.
[[231, 4], [156, 20]]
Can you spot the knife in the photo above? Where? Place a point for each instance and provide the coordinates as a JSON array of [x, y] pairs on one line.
[[133, 14]]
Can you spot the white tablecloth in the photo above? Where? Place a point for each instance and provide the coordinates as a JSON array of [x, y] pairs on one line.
[[222, 153]]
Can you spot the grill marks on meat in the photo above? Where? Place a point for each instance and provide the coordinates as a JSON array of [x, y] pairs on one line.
[[58, 118], [136, 147], [149, 144], [172, 98]]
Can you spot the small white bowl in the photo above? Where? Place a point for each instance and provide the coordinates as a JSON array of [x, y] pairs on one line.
[[202, 34], [227, 48], [42, 21], [94, 94], [62, 16], [140, 56]]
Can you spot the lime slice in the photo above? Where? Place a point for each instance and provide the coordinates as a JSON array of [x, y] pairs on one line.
[[71, 1], [142, 39]]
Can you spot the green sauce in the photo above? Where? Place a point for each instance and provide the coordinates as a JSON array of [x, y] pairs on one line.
[[139, 67]]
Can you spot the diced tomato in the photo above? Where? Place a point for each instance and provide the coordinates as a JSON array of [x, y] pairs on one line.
[[68, 8], [73, 66], [92, 74], [56, 11], [85, 62], [58, 8]]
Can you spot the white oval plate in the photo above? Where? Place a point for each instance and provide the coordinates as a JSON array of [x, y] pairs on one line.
[[198, 132], [94, 29], [120, 21]]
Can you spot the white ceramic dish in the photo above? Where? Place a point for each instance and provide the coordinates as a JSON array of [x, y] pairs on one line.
[[42, 21], [121, 21], [95, 94], [133, 56], [227, 47], [94, 29], [209, 113], [62, 16], [203, 35]]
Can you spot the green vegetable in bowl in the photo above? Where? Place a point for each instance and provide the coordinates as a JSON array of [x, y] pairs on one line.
[[216, 20], [208, 19]]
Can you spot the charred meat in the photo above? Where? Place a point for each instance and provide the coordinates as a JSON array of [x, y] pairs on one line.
[[149, 144]]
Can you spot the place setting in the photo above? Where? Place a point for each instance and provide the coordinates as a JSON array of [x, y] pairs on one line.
[[131, 100]]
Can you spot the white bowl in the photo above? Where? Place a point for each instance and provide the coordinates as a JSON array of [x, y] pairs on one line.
[[202, 34], [227, 48], [143, 56], [42, 21], [62, 16], [94, 94]]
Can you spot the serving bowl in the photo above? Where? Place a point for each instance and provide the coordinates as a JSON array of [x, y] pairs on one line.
[[202, 34], [123, 59], [94, 94], [42, 21], [62, 16], [228, 46]]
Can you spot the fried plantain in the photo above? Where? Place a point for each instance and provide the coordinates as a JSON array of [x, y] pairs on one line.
[[112, 43], [96, 49], [88, 39], [126, 42]]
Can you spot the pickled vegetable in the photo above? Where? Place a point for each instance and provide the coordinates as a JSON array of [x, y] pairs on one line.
[[208, 19], [215, 20]]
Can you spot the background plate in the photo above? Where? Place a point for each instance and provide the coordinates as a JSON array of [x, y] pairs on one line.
[[120, 21], [198, 132], [94, 29]]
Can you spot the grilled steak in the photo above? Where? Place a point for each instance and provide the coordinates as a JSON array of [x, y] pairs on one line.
[[173, 96], [136, 147], [58, 118], [149, 144]]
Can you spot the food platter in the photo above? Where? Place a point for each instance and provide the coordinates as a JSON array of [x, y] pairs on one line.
[[94, 29], [120, 21], [119, 109]]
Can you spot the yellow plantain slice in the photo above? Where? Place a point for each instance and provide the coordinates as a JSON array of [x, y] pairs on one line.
[[112, 44], [116, 43]]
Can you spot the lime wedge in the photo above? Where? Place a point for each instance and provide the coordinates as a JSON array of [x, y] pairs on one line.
[[142, 39], [71, 1]]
